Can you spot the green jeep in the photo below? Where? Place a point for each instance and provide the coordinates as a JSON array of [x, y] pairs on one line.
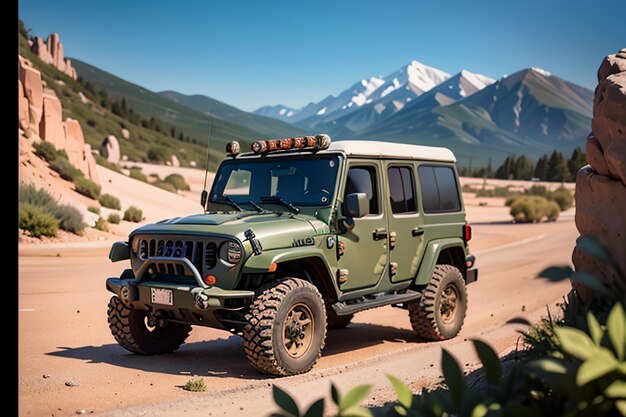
[[297, 236]]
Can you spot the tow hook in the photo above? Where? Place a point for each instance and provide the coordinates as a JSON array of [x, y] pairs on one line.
[[202, 301]]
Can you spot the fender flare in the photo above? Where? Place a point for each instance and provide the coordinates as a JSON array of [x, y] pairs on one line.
[[431, 254], [260, 264]]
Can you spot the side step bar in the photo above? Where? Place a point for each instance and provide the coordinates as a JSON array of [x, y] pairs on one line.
[[343, 308]]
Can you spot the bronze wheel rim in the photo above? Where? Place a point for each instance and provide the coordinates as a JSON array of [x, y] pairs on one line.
[[298, 330], [449, 304]]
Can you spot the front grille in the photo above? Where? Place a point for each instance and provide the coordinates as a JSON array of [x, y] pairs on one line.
[[202, 255]]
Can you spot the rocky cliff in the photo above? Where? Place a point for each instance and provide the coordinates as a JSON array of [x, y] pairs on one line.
[[601, 185], [40, 117], [51, 52]]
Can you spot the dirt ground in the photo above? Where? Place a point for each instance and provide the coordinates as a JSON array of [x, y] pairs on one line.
[[64, 339]]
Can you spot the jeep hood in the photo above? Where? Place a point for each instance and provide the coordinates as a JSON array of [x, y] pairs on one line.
[[274, 230]]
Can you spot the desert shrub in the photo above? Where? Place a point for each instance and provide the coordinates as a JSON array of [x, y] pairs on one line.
[[133, 214], [482, 204], [178, 181], [158, 153], [37, 221], [529, 209], [29, 194], [562, 197], [496, 192], [114, 218], [467, 188], [47, 151], [195, 385], [87, 187], [102, 161], [552, 211], [165, 186], [93, 209], [537, 190], [510, 201], [69, 219], [110, 201], [137, 174], [66, 170], [91, 122], [101, 224]]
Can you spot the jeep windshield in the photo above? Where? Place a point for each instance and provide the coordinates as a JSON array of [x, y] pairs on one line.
[[279, 182]]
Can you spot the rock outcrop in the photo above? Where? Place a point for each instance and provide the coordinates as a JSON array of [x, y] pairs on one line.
[[51, 52], [51, 124], [75, 144], [110, 149], [601, 185], [174, 160], [33, 92]]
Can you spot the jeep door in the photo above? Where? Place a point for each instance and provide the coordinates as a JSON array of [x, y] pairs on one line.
[[406, 232], [365, 246]]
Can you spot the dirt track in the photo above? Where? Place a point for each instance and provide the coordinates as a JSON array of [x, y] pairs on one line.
[[64, 335]]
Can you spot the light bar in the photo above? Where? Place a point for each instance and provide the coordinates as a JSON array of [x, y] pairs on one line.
[[233, 148], [317, 142]]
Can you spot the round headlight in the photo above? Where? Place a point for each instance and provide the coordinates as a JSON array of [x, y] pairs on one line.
[[231, 252]]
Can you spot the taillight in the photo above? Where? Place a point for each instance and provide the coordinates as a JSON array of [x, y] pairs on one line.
[[467, 232]]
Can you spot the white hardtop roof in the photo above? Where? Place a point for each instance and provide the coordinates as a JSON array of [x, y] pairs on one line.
[[392, 150]]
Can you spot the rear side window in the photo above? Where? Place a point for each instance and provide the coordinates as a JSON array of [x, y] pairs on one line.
[[439, 189], [401, 190], [363, 180]]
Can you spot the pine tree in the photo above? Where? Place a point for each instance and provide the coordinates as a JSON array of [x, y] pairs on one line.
[[557, 167], [576, 162], [506, 170], [523, 169], [541, 169], [489, 173]]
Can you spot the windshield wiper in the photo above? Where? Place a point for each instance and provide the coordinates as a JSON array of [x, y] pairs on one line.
[[226, 199], [256, 206], [281, 201]]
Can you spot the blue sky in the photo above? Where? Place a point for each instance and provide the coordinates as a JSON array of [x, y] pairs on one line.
[[252, 53]]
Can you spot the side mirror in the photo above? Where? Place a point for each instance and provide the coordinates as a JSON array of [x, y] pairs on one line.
[[203, 198], [356, 205]]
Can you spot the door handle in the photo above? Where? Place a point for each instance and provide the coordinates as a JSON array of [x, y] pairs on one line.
[[417, 231], [380, 234]]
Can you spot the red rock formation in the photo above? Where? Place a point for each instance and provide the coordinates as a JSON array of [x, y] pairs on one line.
[[75, 144], [90, 165], [33, 91], [601, 186], [23, 119], [51, 125], [110, 149], [51, 52]]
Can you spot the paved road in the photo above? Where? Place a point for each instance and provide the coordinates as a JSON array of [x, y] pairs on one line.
[[64, 335]]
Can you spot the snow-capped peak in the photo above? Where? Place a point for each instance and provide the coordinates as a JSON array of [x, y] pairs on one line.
[[477, 80], [422, 78], [541, 71]]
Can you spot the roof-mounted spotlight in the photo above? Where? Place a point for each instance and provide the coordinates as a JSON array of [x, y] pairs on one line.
[[315, 143], [233, 148]]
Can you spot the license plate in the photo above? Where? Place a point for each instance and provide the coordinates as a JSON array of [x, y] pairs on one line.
[[162, 296]]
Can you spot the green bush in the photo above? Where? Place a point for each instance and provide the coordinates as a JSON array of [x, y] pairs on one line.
[[195, 385], [562, 197], [158, 153], [114, 218], [496, 192], [69, 219], [102, 161], [93, 209], [102, 225], [37, 221], [47, 151], [110, 201], [133, 214], [87, 187], [537, 190], [66, 170], [533, 209], [29, 194], [178, 181], [165, 186], [138, 175]]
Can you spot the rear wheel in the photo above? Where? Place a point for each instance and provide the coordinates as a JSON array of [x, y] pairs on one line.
[[286, 328], [138, 332], [439, 313]]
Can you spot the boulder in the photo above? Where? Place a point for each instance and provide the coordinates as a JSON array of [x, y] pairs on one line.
[[600, 202], [33, 90], [75, 144], [110, 149], [51, 125], [125, 134], [595, 155], [612, 64], [174, 160], [90, 165], [22, 108]]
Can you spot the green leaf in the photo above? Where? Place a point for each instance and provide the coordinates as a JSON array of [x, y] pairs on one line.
[[593, 248], [600, 364], [284, 401], [354, 397], [405, 396], [316, 409], [621, 407], [548, 365], [616, 390], [590, 281], [334, 392], [556, 273], [616, 327], [490, 360], [479, 411], [575, 342], [356, 412], [594, 328], [453, 376]]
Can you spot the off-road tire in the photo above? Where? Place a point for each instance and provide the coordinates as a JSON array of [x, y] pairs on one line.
[[425, 312], [129, 328], [264, 337], [334, 321]]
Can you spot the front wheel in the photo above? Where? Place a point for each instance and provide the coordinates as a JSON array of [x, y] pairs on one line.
[[286, 328], [439, 313], [139, 333]]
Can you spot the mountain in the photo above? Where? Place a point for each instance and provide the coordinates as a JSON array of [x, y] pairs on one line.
[[278, 111], [269, 127], [530, 112]]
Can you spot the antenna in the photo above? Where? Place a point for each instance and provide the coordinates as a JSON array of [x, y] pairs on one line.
[[204, 195]]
